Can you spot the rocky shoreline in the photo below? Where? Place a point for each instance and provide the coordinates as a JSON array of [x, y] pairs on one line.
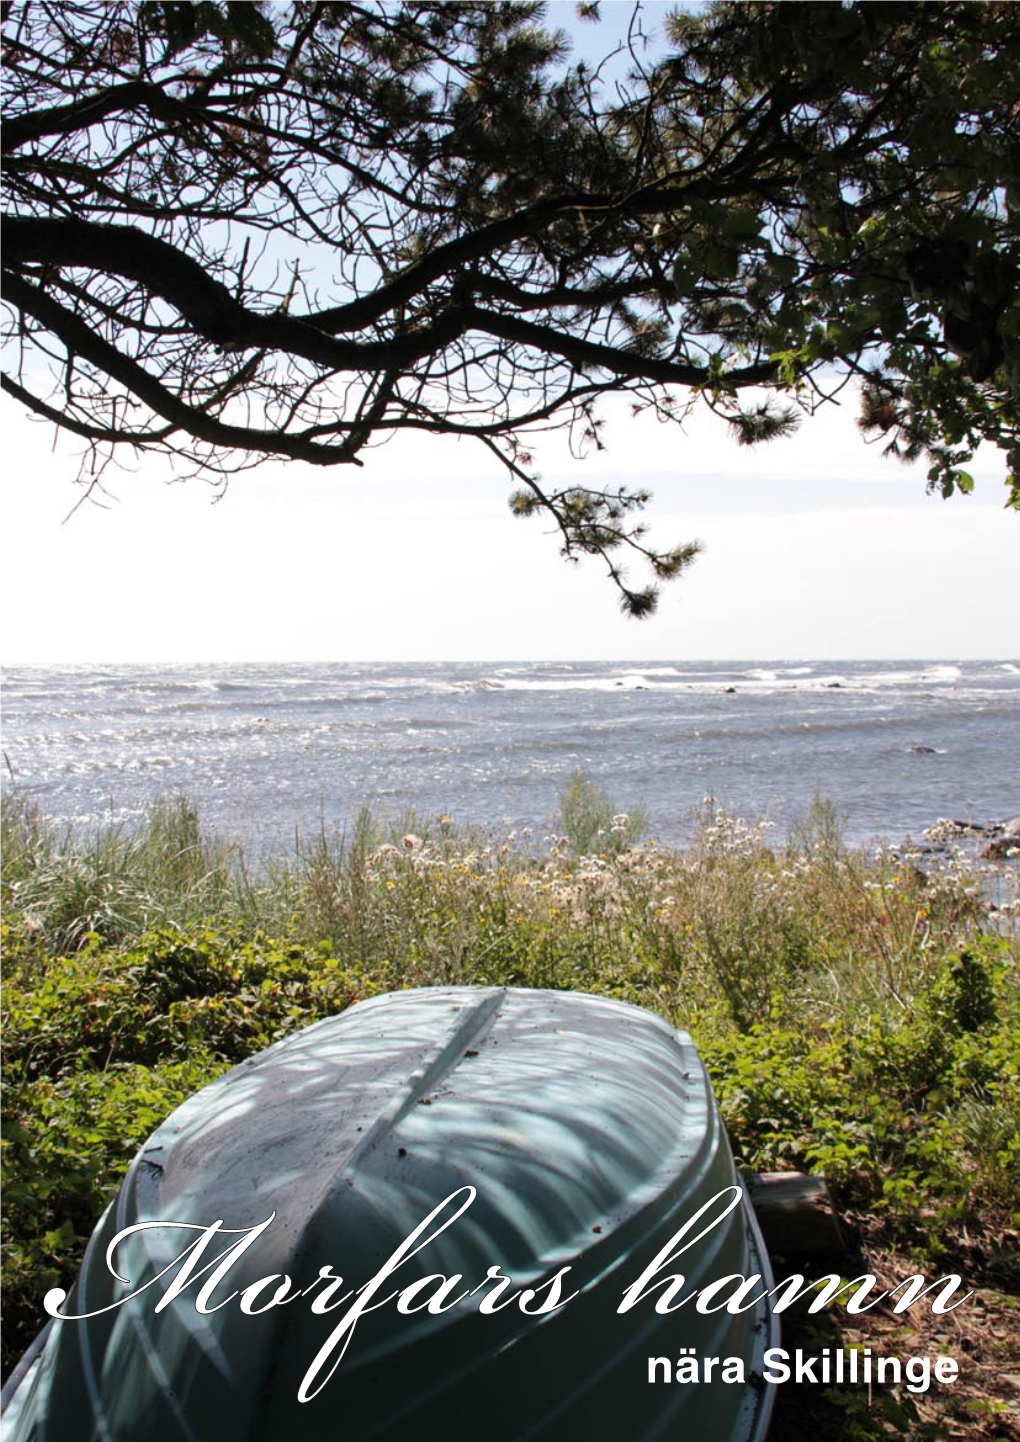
[[1002, 837]]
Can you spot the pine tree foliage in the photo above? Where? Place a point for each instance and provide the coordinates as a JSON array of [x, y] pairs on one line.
[[235, 231]]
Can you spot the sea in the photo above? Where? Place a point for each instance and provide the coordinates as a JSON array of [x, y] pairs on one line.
[[272, 755]]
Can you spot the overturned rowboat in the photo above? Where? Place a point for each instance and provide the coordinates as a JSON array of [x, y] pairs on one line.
[[557, 1140]]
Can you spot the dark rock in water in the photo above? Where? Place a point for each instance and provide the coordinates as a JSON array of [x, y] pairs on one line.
[[1005, 839], [1002, 847], [834, 685], [945, 830], [922, 750], [731, 690]]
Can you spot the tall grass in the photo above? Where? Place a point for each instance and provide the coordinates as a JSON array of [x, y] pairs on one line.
[[735, 917], [116, 882]]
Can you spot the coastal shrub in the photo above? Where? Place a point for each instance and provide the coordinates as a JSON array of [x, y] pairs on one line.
[[903, 1111], [591, 821], [67, 1141], [855, 1019]]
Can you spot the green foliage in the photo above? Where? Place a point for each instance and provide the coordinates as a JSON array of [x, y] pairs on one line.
[[903, 1111], [238, 25], [592, 822], [854, 1018]]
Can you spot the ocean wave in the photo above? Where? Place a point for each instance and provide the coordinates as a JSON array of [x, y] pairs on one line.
[[757, 682], [567, 683], [295, 743]]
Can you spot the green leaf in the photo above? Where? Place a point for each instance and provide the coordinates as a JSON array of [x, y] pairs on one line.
[[785, 267], [721, 262], [742, 224]]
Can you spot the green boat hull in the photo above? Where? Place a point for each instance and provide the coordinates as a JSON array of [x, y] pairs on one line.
[[588, 1132]]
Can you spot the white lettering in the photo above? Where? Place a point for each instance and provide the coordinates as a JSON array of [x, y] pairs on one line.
[[636, 1291]]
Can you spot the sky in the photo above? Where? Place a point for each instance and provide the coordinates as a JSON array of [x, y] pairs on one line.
[[815, 547]]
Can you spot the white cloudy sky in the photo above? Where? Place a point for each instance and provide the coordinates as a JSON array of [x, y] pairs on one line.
[[816, 546]]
